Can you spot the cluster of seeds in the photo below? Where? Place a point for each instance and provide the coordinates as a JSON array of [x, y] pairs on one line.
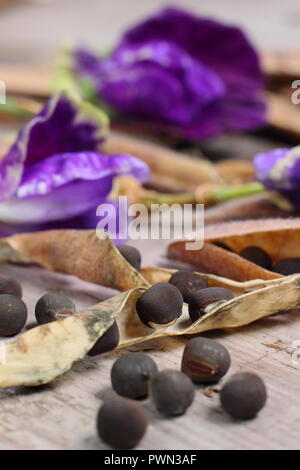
[[285, 266], [122, 421]]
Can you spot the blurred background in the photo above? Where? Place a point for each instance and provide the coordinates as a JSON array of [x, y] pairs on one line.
[[31, 30]]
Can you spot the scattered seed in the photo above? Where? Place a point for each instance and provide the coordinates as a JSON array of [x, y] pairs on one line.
[[131, 373], [244, 395], [287, 266], [121, 422], [172, 392], [205, 360], [258, 256], [8, 285]]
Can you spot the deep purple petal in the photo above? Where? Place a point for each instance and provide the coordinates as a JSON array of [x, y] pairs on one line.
[[66, 186], [266, 165], [61, 126]]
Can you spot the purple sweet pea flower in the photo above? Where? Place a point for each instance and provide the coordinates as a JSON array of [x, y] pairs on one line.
[[53, 175], [195, 76], [279, 170]]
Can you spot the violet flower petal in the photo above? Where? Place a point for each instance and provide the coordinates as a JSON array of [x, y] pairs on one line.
[[61, 126], [68, 185]]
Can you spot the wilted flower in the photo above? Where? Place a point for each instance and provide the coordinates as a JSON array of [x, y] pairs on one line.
[[194, 75], [279, 170], [53, 175]]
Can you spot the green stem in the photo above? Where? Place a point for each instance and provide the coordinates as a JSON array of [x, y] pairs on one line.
[[166, 198], [14, 109], [227, 193]]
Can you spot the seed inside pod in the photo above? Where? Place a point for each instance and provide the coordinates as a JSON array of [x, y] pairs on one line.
[[107, 342], [8, 285], [121, 422], [244, 395], [287, 266], [258, 256], [172, 392], [187, 282], [131, 373], [205, 360], [204, 297], [132, 255], [52, 306], [161, 304], [222, 245], [13, 315]]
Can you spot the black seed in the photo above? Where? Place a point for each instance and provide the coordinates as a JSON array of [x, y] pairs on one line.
[[243, 395], [52, 306], [287, 266], [160, 304], [172, 392], [258, 256], [205, 361], [107, 342], [13, 315], [132, 255], [131, 373], [8, 285], [204, 297], [187, 282], [121, 422]]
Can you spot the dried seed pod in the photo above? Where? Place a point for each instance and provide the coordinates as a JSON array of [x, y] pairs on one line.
[[51, 306], [287, 266], [132, 255], [121, 422], [13, 315], [222, 245], [187, 282], [161, 304], [107, 342], [172, 392], [205, 360], [131, 373], [244, 395], [8, 285], [258, 256], [204, 297]]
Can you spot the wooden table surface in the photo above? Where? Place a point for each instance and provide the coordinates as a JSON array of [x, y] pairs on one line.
[[62, 414]]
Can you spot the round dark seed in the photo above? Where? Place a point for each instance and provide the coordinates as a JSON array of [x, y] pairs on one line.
[[132, 255], [107, 342], [204, 297], [205, 360], [121, 422], [187, 282], [243, 395], [172, 392], [52, 306], [160, 304], [8, 285], [258, 256], [287, 266], [13, 315], [131, 373]]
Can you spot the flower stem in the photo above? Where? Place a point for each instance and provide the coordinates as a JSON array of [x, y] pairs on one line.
[[221, 194]]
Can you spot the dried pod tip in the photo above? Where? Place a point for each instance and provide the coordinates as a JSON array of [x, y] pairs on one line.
[[187, 282], [172, 392], [204, 297], [132, 256], [108, 341], [131, 373], [51, 305], [244, 395], [121, 422], [205, 360], [161, 304], [13, 315]]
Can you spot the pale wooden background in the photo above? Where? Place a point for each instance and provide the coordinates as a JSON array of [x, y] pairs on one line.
[[62, 415]]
